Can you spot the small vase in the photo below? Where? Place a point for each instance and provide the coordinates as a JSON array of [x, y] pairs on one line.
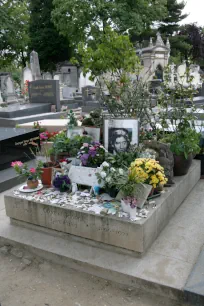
[[127, 209], [32, 184]]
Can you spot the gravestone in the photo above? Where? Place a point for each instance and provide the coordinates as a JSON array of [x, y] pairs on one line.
[[194, 73], [45, 91], [35, 66], [47, 76], [68, 92], [90, 94], [9, 90], [17, 144], [27, 75], [181, 74]]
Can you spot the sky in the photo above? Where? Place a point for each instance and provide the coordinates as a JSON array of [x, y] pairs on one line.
[[195, 9]]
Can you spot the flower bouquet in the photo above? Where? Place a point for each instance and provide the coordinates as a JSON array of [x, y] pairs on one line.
[[32, 174], [148, 171], [92, 155]]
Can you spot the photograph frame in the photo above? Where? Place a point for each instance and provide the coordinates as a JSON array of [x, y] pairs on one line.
[[126, 130]]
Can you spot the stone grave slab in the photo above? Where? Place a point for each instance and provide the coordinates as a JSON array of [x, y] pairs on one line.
[[135, 236], [16, 144], [18, 110], [90, 94], [45, 91]]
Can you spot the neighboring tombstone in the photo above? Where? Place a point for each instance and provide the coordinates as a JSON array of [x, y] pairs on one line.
[[45, 91], [27, 74], [181, 74], [67, 79], [35, 66], [90, 93], [47, 76], [9, 90], [68, 92], [58, 77], [194, 72]]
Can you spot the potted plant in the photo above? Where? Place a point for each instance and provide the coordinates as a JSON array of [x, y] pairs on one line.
[[32, 175], [92, 154], [46, 141], [62, 182], [64, 147], [184, 145], [147, 171]]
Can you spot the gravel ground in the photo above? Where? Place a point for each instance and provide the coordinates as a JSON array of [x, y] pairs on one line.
[[30, 281]]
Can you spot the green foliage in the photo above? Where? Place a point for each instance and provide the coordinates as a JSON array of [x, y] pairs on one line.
[[72, 120], [14, 19], [185, 141], [44, 37], [113, 53], [84, 21], [63, 144], [123, 159]]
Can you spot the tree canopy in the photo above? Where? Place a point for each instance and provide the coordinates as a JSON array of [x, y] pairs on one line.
[[82, 20], [14, 19], [44, 37]]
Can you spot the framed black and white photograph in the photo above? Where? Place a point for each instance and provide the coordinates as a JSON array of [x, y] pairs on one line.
[[120, 134], [74, 132], [93, 132]]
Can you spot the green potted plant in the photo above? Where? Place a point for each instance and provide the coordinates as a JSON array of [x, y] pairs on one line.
[[184, 145], [64, 147]]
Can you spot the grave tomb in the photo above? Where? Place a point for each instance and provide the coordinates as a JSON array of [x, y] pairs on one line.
[[16, 144]]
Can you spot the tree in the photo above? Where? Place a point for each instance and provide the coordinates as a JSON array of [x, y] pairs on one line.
[[84, 20], [168, 26], [14, 18], [44, 37], [193, 47]]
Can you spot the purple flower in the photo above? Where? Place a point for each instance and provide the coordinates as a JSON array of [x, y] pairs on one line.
[[62, 182], [92, 153], [84, 159]]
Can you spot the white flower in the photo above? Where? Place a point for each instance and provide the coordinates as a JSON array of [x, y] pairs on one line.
[[108, 179], [103, 174], [121, 172], [105, 164], [112, 169]]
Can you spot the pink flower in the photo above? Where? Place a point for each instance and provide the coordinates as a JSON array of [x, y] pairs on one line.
[[92, 149], [85, 145], [17, 163], [32, 170]]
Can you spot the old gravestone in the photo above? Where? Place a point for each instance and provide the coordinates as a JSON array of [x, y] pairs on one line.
[[90, 94], [45, 91], [47, 76], [35, 66], [68, 92], [9, 90], [27, 74]]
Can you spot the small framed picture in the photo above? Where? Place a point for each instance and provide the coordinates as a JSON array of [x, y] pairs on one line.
[[93, 132], [74, 132], [120, 134]]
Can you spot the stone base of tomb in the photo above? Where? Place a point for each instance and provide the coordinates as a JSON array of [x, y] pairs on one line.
[[108, 230]]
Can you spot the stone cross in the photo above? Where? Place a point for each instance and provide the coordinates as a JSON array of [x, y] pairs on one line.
[[35, 66]]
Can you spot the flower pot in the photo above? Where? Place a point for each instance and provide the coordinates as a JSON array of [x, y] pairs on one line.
[[46, 176], [112, 192], [181, 164], [32, 184], [127, 209]]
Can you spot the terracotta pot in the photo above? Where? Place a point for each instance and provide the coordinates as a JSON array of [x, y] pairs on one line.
[[32, 184], [46, 176], [181, 164]]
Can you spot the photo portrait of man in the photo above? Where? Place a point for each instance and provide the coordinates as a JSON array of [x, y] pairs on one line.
[[119, 140]]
